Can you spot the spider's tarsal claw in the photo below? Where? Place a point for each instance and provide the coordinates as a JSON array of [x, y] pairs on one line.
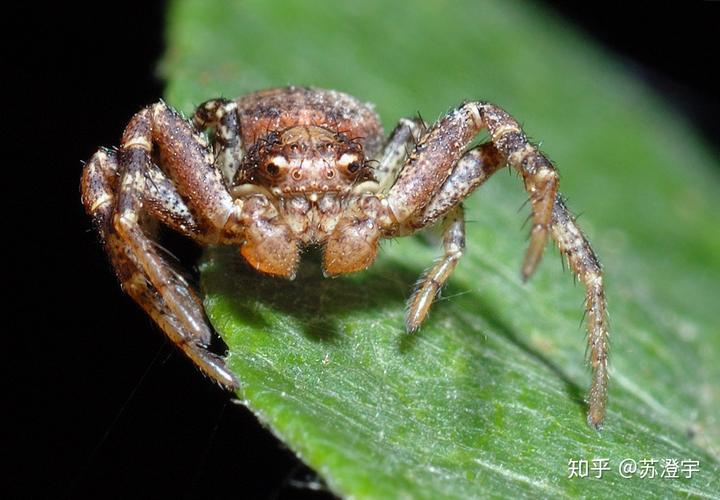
[[597, 399], [527, 270]]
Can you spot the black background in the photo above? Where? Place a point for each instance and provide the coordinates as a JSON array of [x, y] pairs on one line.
[[99, 404]]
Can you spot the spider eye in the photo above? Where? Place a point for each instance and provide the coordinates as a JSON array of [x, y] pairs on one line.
[[275, 165], [272, 169], [354, 167]]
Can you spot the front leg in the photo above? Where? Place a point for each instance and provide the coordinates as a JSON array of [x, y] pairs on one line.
[[474, 168], [125, 193], [162, 299], [470, 171]]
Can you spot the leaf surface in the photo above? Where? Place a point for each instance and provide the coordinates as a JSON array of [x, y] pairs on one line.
[[487, 399]]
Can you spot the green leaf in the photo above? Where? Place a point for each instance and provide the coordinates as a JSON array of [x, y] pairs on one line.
[[487, 399]]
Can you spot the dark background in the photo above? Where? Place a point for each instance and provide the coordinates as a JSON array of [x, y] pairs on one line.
[[99, 404]]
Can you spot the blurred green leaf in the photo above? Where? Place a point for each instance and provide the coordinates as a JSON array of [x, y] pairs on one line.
[[487, 399]]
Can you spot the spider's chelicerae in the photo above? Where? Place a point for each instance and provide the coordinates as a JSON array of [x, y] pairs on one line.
[[292, 167]]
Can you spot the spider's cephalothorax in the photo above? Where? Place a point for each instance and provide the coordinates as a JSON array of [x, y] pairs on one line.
[[294, 166]]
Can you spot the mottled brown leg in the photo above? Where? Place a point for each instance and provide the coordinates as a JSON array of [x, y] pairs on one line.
[[99, 186], [407, 132], [431, 161], [433, 280], [584, 263], [441, 147], [421, 195], [474, 168], [539, 175], [160, 198], [221, 115], [158, 132], [162, 201]]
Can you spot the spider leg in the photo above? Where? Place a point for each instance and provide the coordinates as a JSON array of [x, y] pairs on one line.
[[440, 148], [474, 168], [406, 133], [157, 132], [97, 186], [438, 176], [433, 280], [538, 173], [586, 266], [431, 161], [160, 198], [162, 201], [471, 170], [99, 191], [222, 116]]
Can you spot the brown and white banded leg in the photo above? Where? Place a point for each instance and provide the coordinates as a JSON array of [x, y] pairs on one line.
[[221, 115], [402, 139], [551, 215], [586, 266], [437, 176], [474, 168], [141, 196], [99, 187], [538, 173], [161, 200], [471, 171], [430, 284], [442, 146]]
